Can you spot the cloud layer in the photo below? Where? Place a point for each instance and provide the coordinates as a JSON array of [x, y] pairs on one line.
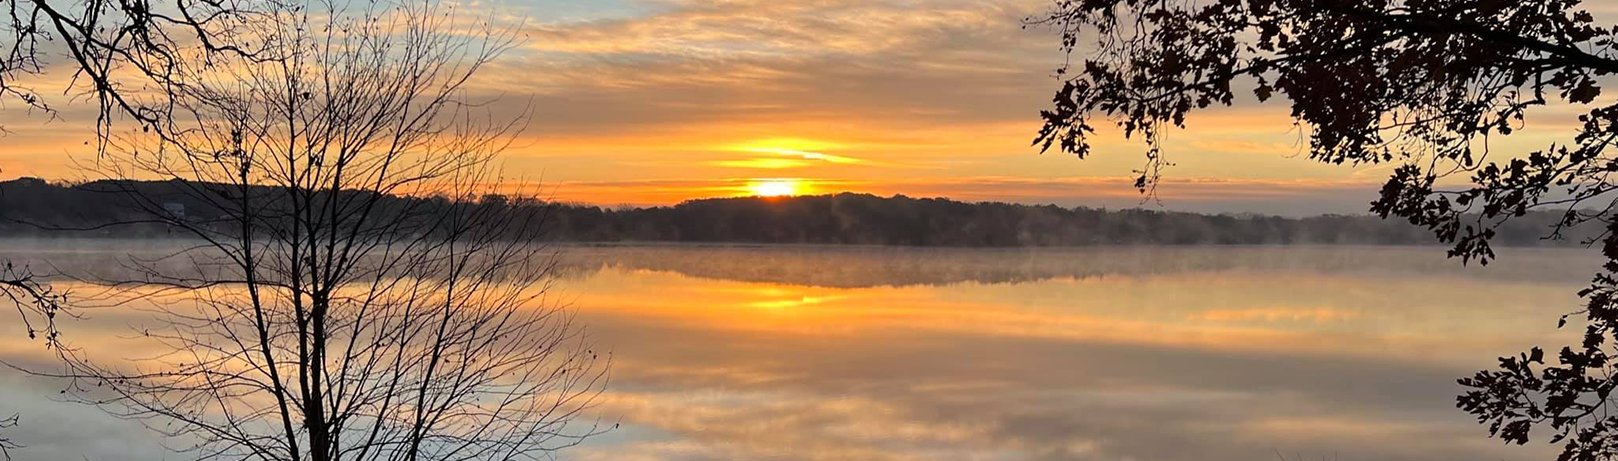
[[679, 99]]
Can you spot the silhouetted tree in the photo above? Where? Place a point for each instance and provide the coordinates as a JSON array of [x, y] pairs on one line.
[[123, 54], [321, 316], [1420, 83], [37, 303], [119, 52], [37, 308], [6, 445]]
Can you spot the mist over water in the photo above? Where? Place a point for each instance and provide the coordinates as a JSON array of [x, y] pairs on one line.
[[879, 353]]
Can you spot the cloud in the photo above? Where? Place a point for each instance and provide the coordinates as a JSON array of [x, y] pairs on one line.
[[874, 63], [940, 93], [1116, 365], [1090, 369], [765, 163], [828, 158]]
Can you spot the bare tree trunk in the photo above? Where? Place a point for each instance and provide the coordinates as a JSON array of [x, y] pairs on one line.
[[352, 297]]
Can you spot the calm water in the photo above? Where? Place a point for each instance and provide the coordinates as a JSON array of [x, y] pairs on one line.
[[805, 353]]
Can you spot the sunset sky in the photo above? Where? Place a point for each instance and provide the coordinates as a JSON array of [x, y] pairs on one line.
[[656, 101]]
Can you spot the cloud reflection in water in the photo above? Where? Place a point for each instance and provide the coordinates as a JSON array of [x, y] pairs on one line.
[[805, 353]]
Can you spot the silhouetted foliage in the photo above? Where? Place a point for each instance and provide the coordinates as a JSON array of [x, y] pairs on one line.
[[123, 55], [1423, 84], [37, 303]]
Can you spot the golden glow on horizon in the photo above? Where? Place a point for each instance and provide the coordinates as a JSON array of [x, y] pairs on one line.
[[787, 153], [786, 145], [765, 163], [775, 188], [806, 155]]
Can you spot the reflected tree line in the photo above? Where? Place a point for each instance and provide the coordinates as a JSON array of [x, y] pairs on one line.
[[36, 207]]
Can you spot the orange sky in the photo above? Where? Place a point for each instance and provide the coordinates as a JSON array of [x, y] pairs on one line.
[[658, 101]]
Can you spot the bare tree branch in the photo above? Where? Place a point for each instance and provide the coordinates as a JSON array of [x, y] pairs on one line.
[[327, 313]]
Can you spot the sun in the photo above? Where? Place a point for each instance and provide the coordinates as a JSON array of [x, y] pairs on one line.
[[774, 188]]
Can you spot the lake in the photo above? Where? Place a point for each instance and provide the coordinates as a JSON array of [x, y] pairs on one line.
[[1107, 353]]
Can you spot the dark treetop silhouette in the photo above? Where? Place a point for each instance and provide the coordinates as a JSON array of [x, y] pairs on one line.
[[1423, 83]]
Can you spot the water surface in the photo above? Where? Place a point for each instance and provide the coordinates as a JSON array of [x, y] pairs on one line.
[[1134, 353]]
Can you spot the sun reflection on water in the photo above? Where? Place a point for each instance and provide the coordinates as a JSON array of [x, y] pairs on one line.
[[1227, 363]]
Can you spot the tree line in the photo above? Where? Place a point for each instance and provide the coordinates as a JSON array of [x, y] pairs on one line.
[[34, 207]]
